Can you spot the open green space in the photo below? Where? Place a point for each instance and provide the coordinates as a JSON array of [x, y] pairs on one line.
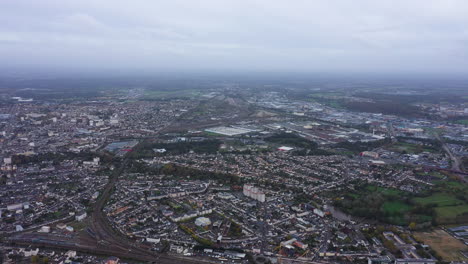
[[455, 185], [387, 205], [357, 147], [451, 211], [146, 148], [461, 122], [395, 207], [443, 203], [439, 199], [410, 148]]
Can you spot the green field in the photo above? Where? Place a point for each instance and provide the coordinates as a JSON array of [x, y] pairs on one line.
[[409, 148], [395, 207], [440, 199], [455, 185], [462, 122], [444, 203], [451, 211]]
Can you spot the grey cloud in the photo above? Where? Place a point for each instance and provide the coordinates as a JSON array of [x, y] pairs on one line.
[[361, 35]]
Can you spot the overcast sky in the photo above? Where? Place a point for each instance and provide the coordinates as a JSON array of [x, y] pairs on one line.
[[293, 35]]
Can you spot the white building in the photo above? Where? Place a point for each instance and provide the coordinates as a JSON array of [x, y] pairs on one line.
[[44, 229], [202, 221], [81, 216], [254, 193], [153, 240], [319, 212]]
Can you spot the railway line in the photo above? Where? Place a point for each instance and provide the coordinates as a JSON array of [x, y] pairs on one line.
[[100, 238]]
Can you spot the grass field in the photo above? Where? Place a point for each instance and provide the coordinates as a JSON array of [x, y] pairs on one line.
[[78, 226], [395, 207], [457, 185], [440, 199], [403, 147], [462, 122], [445, 245], [451, 211]]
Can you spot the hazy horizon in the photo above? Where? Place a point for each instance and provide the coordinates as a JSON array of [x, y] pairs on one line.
[[383, 37]]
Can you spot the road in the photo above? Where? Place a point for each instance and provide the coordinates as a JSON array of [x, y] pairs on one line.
[[457, 166], [107, 237], [106, 241]]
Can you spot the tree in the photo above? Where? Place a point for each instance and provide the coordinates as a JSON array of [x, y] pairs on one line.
[[35, 259], [412, 226]]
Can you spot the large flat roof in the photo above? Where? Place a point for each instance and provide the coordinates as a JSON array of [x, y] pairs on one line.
[[229, 131]]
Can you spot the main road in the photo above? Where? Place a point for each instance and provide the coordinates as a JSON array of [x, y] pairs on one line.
[[457, 165]]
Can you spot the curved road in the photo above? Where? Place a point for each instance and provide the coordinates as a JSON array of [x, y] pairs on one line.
[[107, 241]]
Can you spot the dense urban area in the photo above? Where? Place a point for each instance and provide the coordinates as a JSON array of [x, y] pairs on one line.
[[226, 171]]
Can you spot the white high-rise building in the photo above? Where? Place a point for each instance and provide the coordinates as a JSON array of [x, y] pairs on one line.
[[254, 193]]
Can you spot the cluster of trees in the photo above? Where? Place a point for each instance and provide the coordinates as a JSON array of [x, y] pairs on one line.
[[413, 98], [384, 107], [24, 159], [145, 149], [179, 171], [39, 259], [357, 147], [311, 152], [202, 241], [310, 240], [206, 146], [182, 172], [292, 139], [3, 179], [378, 233], [235, 230]]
